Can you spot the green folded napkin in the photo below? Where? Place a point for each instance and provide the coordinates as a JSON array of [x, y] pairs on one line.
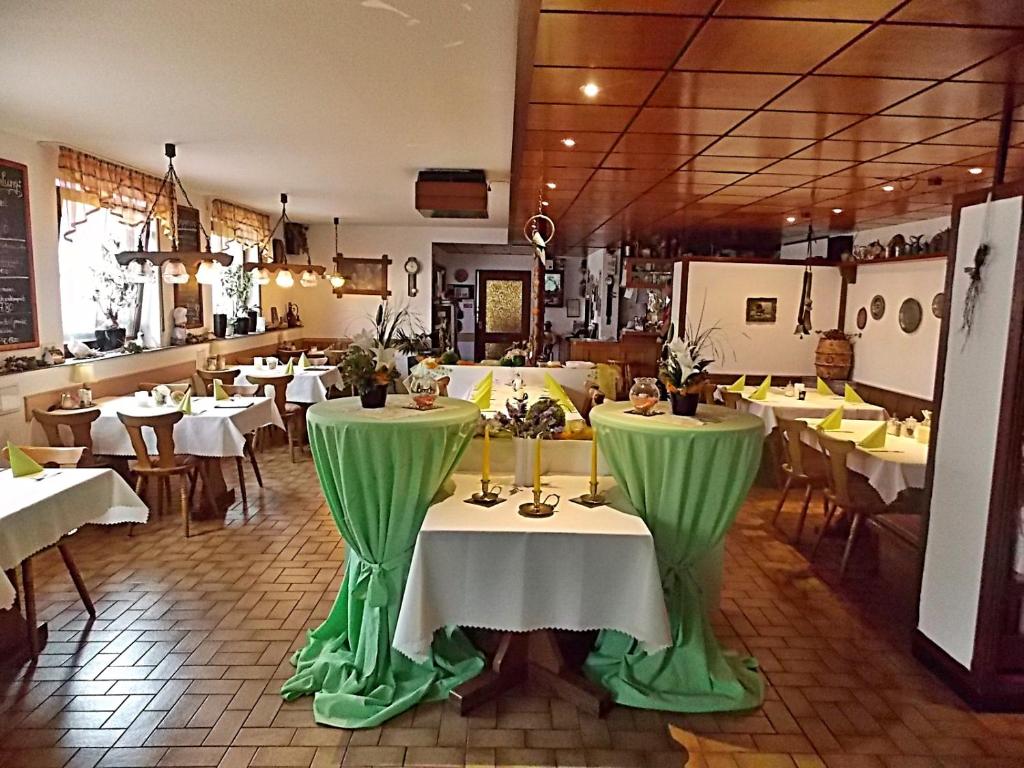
[[850, 395], [833, 421], [290, 368], [185, 406], [557, 392], [303, 362], [738, 385], [875, 438], [823, 388], [481, 394], [762, 391], [21, 464], [218, 391]]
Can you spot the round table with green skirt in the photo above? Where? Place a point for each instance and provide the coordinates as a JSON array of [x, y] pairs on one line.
[[379, 470], [686, 477]]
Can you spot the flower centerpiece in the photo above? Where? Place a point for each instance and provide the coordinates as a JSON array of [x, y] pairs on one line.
[[514, 357], [369, 364], [113, 293], [542, 419], [425, 382], [684, 363]]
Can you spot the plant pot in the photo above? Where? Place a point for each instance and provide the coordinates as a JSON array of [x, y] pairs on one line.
[[684, 404], [220, 325], [525, 450], [101, 339], [241, 325], [375, 397], [115, 338]]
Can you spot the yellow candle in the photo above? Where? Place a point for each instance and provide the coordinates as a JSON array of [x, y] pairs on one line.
[[593, 459], [486, 474], [536, 467]]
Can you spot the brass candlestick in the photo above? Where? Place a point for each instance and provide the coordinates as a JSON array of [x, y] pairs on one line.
[[592, 499], [538, 508], [487, 496]]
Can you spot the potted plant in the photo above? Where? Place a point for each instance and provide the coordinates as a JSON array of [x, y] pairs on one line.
[[112, 293], [545, 418], [514, 357], [368, 366], [237, 284], [684, 363]]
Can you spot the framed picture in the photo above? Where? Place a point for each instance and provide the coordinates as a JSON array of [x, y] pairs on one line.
[[554, 288], [190, 296], [463, 292], [762, 310], [572, 308], [188, 229], [366, 277]]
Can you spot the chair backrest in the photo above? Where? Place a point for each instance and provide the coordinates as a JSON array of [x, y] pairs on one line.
[[163, 426], [791, 431], [294, 354], [179, 386], [707, 392], [837, 474], [442, 385], [732, 399], [227, 376], [66, 458], [280, 385], [334, 356], [242, 390], [80, 424]]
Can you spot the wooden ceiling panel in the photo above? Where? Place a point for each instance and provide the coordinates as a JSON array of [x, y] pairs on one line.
[[848, 150], [749, 45], [615, 175], [774, 179], [718, 90], [934, 154], [733, 164], [703, 177], [700, 121], [618, 86], [992, 13], [1005, 68], [666, 143], [901, 129], [955, 99], [611, 40], [747, 146], [807, 167], [551, 159], [559, 117], [851, 10], [983, 133], [794, 125], [861, 95], [633, 160], [919, 51], [586, 141]]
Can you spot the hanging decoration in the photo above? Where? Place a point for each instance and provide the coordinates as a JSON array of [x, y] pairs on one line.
[[981, 255], [263, 267], [174, 264], [336, 279], [803, 314], [539, 240]]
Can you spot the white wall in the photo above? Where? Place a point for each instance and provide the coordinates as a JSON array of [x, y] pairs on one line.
[[760, 348], [965, 443]]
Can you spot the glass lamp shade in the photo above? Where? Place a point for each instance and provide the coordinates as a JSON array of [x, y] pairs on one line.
[[337, 280], [308, 279], [261, 276], [285, 279], [208, 272], [175, 273]]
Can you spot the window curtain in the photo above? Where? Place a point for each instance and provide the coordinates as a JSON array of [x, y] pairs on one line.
[[126, 192], [243, 225]]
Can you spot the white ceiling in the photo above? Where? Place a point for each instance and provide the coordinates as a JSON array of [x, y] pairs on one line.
[[337, 102]]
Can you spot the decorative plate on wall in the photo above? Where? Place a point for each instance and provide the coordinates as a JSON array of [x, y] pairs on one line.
[[910, 315], [862, 318], [461, 275], [937, 302], [877, 307]]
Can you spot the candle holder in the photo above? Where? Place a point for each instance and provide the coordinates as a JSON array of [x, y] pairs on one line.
[[592, 499], [487, 496], [538, 508]]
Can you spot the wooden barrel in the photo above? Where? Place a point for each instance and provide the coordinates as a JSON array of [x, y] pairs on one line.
[[833, 358]]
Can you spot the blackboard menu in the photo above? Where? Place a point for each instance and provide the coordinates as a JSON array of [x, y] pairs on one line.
[[18, 325]]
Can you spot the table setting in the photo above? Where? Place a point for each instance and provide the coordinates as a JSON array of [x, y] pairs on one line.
[[771, 403], [309, 385]]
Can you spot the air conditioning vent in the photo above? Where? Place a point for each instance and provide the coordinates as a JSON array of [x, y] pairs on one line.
[[451, 194]]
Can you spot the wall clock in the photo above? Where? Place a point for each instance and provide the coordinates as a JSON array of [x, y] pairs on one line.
[[412, 268]]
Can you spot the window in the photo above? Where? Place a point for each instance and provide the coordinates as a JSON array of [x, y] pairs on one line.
[[223, 300], [95, 291]]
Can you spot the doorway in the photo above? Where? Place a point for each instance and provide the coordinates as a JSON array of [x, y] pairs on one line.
[[503, 312]]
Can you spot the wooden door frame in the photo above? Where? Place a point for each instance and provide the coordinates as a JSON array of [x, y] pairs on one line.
[[482, 276]]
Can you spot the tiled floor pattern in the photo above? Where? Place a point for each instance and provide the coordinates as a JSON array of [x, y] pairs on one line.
[[182, 667]]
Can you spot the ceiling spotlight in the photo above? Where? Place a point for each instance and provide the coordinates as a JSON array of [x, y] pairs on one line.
[[974, 171], [569, 141], [888, 187], [837, 210], [791, 219], [590, 90], [545, 203], [551, 185]]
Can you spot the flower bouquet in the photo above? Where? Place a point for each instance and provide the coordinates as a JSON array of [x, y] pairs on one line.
[[684, 363], [369, 364], [425, 381], [514, 357]]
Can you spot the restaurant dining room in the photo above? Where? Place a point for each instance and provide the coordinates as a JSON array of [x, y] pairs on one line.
[[623, 383]]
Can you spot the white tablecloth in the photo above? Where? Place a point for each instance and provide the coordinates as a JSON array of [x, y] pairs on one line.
[[308, 386], [776, 405], [35, 512], [209, 431], [465, 377], [492, 568], [890, 470]]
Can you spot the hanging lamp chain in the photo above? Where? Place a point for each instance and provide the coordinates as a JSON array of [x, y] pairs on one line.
[[170, 177], [282, 219]]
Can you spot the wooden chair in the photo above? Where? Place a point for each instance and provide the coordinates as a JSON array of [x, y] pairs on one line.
[[333, 356], [227, 376], [799, 469], [442, 386], [732, 399], [67, 458], [248, 450], [291, 413], [847, 491], [79, 423], [165, 464], [707, 393], [178, 386]]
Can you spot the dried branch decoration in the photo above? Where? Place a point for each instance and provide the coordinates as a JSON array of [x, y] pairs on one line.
[[974, 273]]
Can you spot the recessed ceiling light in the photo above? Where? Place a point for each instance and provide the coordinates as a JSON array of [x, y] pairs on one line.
[[551, 185], [974, 171], [545, 203], [569, 141], [590, 90], [837, 210], [888, 188], [791, 219]]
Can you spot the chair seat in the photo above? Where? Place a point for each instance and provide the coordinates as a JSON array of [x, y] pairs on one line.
[[863, 497], [182, 463], [815, 475], [291, 408]]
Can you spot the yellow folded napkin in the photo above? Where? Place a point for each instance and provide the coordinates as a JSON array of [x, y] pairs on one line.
[[874, 439], [607, 379], [185, 406], [290, 368], [823, 388], [218, 391], [833, 421], [303, 362], [557, 392], [738, 385], [481, 394], [762, 391], [850, 395], [21, 464]]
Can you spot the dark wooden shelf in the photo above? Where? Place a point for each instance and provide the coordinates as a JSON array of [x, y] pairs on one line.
[[896, 259]]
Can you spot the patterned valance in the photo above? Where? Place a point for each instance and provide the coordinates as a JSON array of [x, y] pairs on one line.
[[125, 192], [244, 225]]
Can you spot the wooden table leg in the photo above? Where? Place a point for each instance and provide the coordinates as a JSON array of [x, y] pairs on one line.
[[36, 635], [216, 496], [508, 668]]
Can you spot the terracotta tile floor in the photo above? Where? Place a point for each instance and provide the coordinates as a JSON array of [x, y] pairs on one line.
[[183, 665]]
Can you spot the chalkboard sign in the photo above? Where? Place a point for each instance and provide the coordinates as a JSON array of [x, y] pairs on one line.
[[188, 228], [18, 322]]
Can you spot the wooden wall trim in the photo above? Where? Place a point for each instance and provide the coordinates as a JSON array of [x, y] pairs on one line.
[[526, 45]]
